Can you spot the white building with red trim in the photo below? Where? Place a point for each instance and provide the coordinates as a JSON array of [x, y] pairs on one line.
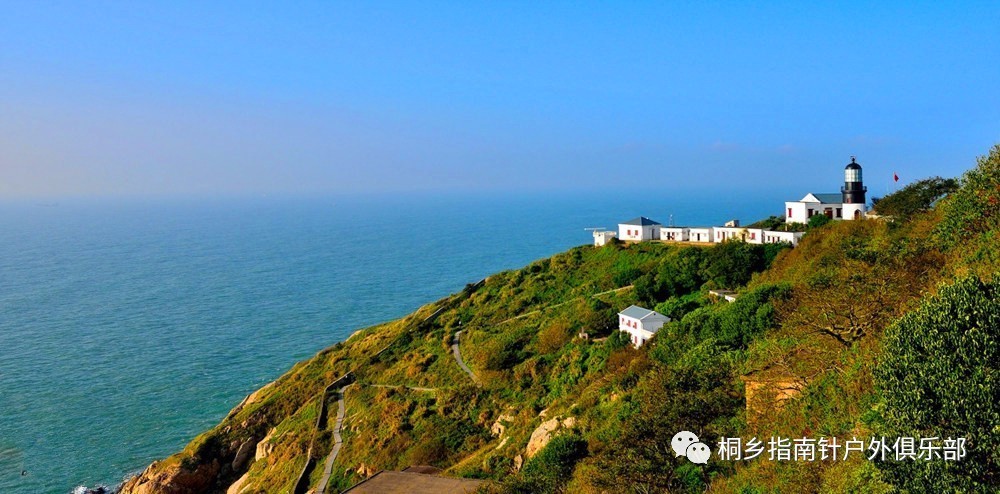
[[639, 229], [641, 324]]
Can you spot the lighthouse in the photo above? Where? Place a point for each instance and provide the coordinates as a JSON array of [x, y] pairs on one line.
[[853, 191]]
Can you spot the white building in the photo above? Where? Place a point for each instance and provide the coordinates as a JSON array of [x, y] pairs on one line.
[[639, 229], [674, 233], [641, 324], [849, 204], [776, 237], [700, 234], [723, 233], [727, 295], [755, 236], [603, 237]]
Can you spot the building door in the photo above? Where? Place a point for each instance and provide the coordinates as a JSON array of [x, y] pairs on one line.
[[857, 214]]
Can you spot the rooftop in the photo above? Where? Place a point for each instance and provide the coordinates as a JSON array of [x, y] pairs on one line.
[[824, 198], [642, 221], [636, 312]]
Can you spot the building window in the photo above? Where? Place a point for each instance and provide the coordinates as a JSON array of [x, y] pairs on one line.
[[839, 213], [789, 212]]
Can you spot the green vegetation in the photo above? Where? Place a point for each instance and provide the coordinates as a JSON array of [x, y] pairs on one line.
[[914, 198], [939, 378], [777, 223], [866, 328], [818, 220]]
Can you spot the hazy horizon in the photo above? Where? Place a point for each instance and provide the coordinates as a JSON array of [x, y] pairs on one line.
[[226, 99]]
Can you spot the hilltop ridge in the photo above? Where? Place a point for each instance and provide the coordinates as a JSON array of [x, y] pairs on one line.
[[555, 399]]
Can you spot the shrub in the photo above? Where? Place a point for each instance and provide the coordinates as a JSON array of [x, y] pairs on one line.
[[940, 376], [819, 220], [553, 465], [975, 207]]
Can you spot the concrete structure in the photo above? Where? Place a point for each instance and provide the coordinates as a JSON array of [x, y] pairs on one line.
[[700, 234], [777, 237], [603, 237], [849, 204], [641, 324], [754, 236], [728, 295], [639, 229], [723, 233], [674, 233]]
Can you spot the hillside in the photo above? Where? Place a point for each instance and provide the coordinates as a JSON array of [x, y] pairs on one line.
[[823, 340]]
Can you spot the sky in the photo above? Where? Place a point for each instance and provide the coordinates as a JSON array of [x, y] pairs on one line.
[[299, 98]]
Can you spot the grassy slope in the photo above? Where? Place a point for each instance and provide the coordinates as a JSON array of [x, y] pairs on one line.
[[520, 338]]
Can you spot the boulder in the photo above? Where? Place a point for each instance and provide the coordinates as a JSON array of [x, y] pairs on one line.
[[235, 488], [243, 454], [174, 479], [543, 434], [265, 446]]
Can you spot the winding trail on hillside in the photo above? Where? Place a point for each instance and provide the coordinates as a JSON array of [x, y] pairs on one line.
[[560, 304], [457, 352], [301, 484], [338, 442]]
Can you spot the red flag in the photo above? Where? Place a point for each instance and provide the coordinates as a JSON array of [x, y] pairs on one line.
[[895, 178]]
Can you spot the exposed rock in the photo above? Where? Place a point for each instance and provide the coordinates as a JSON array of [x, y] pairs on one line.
[[499, 427], [175, 479], [502, 443], [543, 434], [243, 454], [265, 446], [365, 470], [235, 488], [518, 462]]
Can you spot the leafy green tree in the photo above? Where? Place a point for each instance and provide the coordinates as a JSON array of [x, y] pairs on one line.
[[819, 220], [915, 197], [681, 273], [731, 264], [769, 223], [975, 207], [940, 376]]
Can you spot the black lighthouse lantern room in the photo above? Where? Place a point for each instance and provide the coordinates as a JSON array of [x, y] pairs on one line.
[[854, 189]]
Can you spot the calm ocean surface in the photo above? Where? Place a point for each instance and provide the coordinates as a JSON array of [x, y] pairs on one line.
[[128, 327]]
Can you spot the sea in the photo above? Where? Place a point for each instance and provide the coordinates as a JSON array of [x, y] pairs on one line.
[[130, 325]]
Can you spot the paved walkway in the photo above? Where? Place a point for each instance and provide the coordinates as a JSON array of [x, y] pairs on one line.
[[457, 352], [338, 442]]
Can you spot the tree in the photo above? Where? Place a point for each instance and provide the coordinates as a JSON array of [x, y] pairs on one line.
[[732, 263], [819, 220], [848, 302], [940, 376], [975, 207], [915, 197]]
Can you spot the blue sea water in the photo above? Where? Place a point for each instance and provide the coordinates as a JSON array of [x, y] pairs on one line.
[[129, 326]]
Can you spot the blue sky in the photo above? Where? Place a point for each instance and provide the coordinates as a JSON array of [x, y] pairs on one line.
[[288, 98]]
